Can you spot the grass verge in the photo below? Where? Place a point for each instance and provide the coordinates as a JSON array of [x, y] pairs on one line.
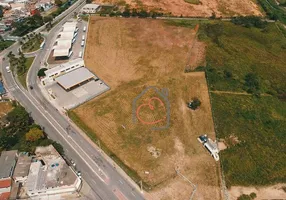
[[22, 77]]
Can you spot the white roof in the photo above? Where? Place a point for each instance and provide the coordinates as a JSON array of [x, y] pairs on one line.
[[74, 77], [69, 29], [58, 51], [70, 24], [76, 62], [63, 44], [91, 5], [66, 35]]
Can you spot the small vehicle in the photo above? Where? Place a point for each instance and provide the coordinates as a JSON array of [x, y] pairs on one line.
[[73, 163], [8, 69], [80, 54], [83, 37], [84, 29], [82, 43]]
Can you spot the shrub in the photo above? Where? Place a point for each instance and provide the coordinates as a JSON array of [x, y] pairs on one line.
[[249, 21], [194, 104]]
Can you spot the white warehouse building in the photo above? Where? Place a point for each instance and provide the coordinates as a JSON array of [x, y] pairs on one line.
[[53, 73], [90, 8]]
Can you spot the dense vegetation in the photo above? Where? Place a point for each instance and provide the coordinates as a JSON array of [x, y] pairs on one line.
[[27, 25], [31, 42], [258, 156], [244, 59], [21, 65], [272, 10], [22, 133], [5, 43]]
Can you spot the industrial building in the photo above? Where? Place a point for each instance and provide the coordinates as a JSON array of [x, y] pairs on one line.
[[51, 74], [63, 45], [50, 175], [22, 168], [75, 78], [90, 8], [7, 164]]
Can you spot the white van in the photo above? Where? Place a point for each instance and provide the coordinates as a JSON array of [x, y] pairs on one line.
[[80, 54], [83, 37], [8, 69], [84, 29], [82, 43]]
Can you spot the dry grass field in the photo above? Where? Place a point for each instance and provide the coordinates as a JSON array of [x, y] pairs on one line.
[[5, 107], [204, 8], [130, 55]]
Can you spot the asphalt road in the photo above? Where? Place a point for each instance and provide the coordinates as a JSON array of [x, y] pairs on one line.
[[103, 177]]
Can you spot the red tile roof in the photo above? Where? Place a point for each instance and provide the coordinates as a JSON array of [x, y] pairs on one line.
[[5, 196], [5, 183]]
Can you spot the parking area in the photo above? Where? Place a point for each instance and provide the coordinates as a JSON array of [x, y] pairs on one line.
[[76, 46], [71, 99]]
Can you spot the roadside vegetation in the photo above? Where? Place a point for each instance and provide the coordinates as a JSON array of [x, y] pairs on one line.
[[21, 66], [274, 11], [5, 43], [31, 42], [246, 75], [19, 132]]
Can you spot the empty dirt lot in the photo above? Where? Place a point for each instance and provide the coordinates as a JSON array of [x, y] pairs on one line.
[[5, 107], [204, 9], [130, 55]]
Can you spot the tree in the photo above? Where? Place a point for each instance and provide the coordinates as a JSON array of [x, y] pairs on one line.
[[41, 72], [251, 82], [58, 2], [59, 148], [34, 134], [1, 11], [194, 104]]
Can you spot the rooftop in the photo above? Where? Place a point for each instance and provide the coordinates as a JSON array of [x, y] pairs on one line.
[[91, 5], [4, 196], [22, 166], [69, 29], [64, 43], [51, 172], [61, 51], [74, 77], [75, 62], [66, 35], [5, 183], [7, 163]]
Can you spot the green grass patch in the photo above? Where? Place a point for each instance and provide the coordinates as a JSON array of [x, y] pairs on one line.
[[32, 44], [259, 124], [5, 44], [193, 1], [22, 77], [90, 133], [239, 50]]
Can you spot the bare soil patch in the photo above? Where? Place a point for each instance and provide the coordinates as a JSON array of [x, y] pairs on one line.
[[204, 9], [5, 107], [130, 55], [269, 192]]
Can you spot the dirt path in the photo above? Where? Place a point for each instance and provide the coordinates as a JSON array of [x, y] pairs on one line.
[[235, 93]]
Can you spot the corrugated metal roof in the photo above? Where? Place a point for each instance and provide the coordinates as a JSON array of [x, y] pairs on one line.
[[74, 77], [7, 163], [66, 35], [77, 62], [61, 52]]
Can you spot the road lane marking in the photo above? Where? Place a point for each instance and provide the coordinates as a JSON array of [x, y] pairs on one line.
[[59, 131]]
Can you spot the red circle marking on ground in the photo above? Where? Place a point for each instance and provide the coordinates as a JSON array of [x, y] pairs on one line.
[[151, 108]]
